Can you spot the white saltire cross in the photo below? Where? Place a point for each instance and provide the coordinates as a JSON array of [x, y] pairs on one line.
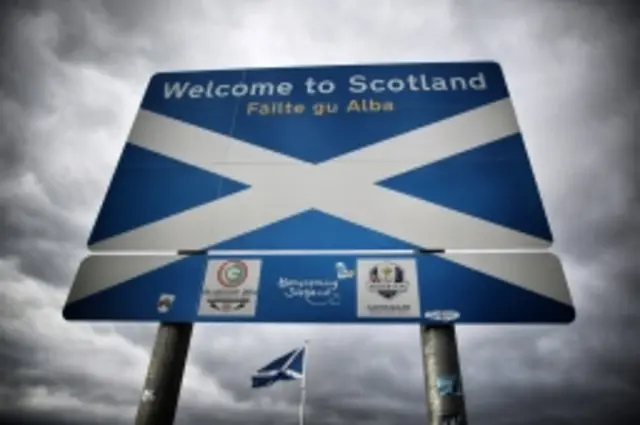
[[344, 186]]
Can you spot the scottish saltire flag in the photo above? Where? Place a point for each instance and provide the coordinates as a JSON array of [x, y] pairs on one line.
[[285, 368], [389, 156]]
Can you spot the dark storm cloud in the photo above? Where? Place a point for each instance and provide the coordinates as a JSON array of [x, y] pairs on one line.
[[355, 378], [36, 206], [25, 216], [25, 418], [13, 93], [61, 64], [587, 372], [371, 363], [590, 101], [47, 51], [581, 135], [41, 360]]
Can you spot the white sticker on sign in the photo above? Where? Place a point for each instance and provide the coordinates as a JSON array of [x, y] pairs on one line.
[[388, 288], [230, 287]]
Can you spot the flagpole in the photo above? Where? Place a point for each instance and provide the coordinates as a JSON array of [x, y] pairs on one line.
[[303, 384]]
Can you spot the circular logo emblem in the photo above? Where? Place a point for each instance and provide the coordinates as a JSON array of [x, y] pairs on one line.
[[442, 315], [232, 273]]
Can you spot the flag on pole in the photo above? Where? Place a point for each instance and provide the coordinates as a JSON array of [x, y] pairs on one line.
[[285, 368]]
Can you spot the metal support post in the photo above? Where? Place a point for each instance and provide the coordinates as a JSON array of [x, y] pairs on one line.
[[443, 380], [164, 375]]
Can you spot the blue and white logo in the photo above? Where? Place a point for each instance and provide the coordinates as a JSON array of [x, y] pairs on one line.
[[343, 272], [442, 315], [316, 292]]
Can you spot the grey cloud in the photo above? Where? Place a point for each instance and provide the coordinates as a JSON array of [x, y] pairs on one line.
[[584, 373], [575, 409], [579, 124], [23, 418], [46, 370], [386, 371], [59, 93], [38, 208], [571, 67]]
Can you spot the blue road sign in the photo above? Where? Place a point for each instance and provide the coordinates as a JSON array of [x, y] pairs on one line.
[[420, 155], [331, 288]]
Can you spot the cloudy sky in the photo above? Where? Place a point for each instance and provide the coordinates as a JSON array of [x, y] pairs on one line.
[[71, 77]]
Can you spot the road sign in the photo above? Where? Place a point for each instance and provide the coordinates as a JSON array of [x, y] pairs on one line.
[[423, 155], [331, 288]]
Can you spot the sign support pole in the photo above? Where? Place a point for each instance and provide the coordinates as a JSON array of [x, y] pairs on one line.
[[443, 378], [303, 384], [164, 375]]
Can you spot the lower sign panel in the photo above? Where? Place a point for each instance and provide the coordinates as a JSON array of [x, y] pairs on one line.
[[460, 288]]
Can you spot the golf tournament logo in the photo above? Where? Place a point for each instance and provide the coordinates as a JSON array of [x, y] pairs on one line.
[[387, 287], [387, 279], [232, 274]]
